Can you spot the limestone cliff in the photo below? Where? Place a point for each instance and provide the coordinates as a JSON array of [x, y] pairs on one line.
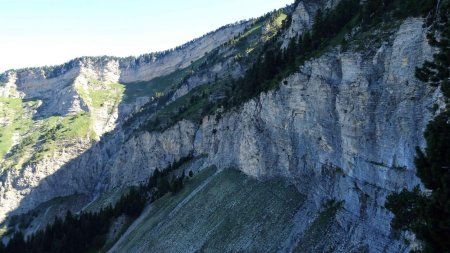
[[344, 126], [87, 94]]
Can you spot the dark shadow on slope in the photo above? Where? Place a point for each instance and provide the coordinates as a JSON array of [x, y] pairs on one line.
[[89, 172], [220, 212]]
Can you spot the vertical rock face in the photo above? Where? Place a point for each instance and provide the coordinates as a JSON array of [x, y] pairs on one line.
[[344, 127], [57, 94], [303, 16], [356, 119], [362, 115]]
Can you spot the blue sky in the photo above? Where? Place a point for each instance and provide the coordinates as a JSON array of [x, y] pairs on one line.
[[47, 32]]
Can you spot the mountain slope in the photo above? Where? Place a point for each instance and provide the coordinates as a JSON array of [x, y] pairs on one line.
[[69, 107], [231, 198], [342, 126]]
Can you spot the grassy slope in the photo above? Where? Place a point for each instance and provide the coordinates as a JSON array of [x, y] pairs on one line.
[[40, 138], [231, 212], [314, 236], [186, 107], [12, 110], [57, 129], [99, 94]]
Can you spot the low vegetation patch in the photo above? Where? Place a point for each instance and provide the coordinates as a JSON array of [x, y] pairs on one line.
[[15, 119], [37, 139], [98, 94]]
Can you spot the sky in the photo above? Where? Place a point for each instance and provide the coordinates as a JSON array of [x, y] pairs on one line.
[[48, 32]]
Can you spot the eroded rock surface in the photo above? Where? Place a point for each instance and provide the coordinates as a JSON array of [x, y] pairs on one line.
[[344, 127]]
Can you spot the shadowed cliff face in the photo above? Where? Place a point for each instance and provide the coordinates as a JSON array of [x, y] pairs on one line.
[[343, 127], [71, 107]]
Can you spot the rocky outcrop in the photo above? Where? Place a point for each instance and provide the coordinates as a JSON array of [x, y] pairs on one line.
[[364, 116], [19, 183], [344, 127], [303, 16], [63, 90]]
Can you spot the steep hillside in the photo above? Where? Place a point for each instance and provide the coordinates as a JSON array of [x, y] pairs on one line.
[[326, 133], [172, 223], [51, 115], [99, 87], [343, 127]]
